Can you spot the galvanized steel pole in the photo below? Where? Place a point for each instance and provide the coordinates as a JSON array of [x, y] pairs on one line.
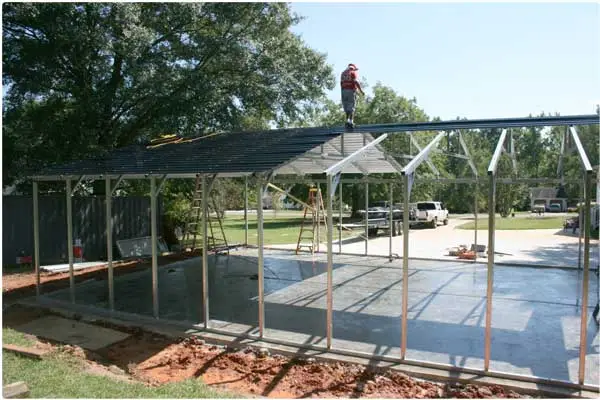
[[329, 261], [318, 202], [476, 191], [109, 244], [70, 240], [405, 229], [246, 212], [366, 218], [154, 243], [391, 217], [205, 305], [587, 216], [581, 217], [490, 269], [36, 237], [261, 264], [341, 219]]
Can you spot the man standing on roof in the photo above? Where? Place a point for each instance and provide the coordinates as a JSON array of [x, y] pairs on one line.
[[349, 83]]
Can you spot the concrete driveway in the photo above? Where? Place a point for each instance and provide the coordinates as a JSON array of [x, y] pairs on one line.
[[543, 247]]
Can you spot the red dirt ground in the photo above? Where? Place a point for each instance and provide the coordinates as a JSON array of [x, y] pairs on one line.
[[20, 285], [155, 360]]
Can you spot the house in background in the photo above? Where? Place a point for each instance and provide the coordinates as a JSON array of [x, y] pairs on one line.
[[546, 197]]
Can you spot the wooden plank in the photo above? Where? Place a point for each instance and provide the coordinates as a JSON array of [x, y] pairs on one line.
[[17, 390], [25, 351]]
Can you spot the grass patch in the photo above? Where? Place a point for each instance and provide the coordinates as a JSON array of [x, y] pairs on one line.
[[62, 376], [10, 336], [517, 223], [281, 229]]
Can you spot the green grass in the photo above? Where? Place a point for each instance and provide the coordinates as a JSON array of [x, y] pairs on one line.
[[62, 376], [510, 223], [283, 229]]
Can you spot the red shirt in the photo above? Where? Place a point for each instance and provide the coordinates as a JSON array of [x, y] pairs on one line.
[[349, 79]]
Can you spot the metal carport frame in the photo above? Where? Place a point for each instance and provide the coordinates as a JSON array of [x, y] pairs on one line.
[[107, 172]]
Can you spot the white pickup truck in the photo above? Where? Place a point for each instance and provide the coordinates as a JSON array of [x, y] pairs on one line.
[[431, 213]]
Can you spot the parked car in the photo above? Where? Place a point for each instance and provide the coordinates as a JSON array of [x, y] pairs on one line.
[[431, 213], [554, 208]]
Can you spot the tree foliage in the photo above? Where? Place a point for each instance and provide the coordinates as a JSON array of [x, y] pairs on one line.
[[84, 78]]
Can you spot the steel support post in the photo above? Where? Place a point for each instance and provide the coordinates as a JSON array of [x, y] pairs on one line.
[[109, 244], [581, 217], [154, 244], [70, 240], [405, 229], [587, 216], [341, 219], [490, 269], [246, 212], [205, 305], [318, 202], [366, 218], [476, 191], [36, 237], [391, 217], [261, 264], [329, 260]]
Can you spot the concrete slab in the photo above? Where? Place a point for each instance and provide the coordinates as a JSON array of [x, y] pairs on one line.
[[77, 266], [63, 330], [535, 317]]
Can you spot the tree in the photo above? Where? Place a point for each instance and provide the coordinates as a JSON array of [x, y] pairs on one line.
[[85, 78]]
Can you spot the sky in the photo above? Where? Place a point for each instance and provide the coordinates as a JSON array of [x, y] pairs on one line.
[[471, 60]]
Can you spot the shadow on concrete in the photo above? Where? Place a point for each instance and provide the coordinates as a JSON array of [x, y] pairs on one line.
[[538, 346]]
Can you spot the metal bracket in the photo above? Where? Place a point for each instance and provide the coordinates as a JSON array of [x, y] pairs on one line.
[[114, 188], [422, 156], [160, 185], [334, 169], [74, 188], [497, 153], [463, 145], [435, 171]]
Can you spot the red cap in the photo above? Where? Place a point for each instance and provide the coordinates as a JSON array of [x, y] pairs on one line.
[[353, 67]]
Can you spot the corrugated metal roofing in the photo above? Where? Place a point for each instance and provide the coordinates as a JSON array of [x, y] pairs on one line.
[[372, 161], [238, 153]]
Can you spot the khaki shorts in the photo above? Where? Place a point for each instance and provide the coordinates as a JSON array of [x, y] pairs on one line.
[[348, 100]]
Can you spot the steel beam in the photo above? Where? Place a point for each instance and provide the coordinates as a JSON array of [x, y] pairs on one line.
[[497, 153], [391, 217], [246, 211], [261, 263], [465, 148], [587, 167], [69, 193], [109, 243], [367, 218], [469, 180], [114, 188], [587, 217], [319, 206], [154, 244], [339, 166], [205, 293], [475, 209], [427, 160], [36, 238], [405, 255], [422, 156], [490, 269], [341, 219], [330, 195]]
